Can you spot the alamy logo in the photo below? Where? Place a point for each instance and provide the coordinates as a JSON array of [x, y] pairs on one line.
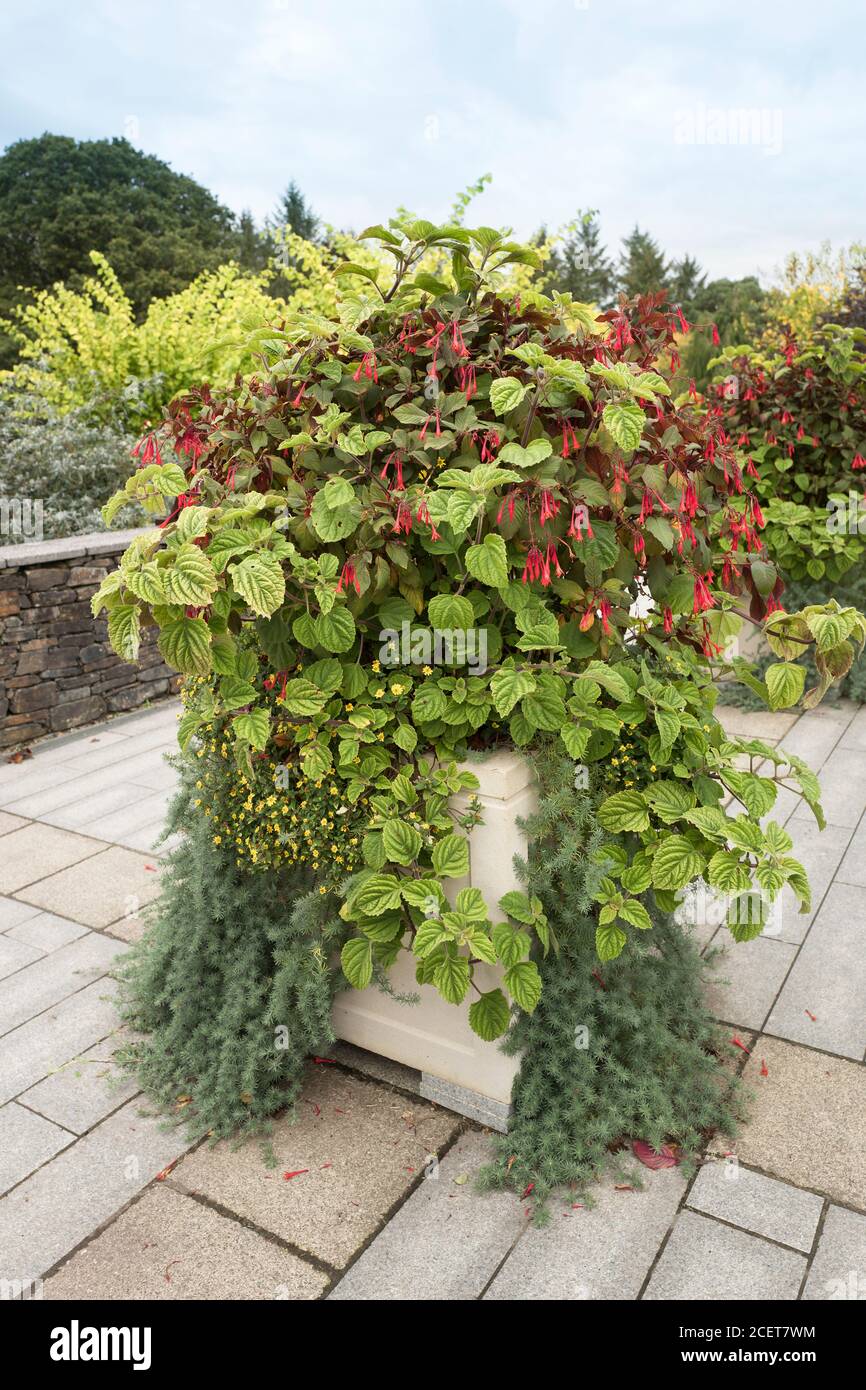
[[77, 1343], [21, 518], [436, 646]]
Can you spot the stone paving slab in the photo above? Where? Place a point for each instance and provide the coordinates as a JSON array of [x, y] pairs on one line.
[[153, 738], [746, 977], [15, 955], [760, 1205], [363, 1146], [84, 810], [100, 890], [35, 851], [855, 734], [806, 1121], [602, 1253], [18, 780], [26, 1142], [8, 822], [853, 866], [58, 1207], [710, 1262], [13, 912], [839, 1267], [446, 1242], [46, 1043], [45, 931], [37, 987], [84, 1090], [169, 1246], [823, 1001], [148, 808], [820, 853], [843, 788], [764, 724], [98, 787]]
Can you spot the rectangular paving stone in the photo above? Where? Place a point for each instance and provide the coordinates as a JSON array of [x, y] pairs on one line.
[[45, 931], [156, 737], [820, 852], [15, 955], [38, 850], [746, 978], [816, 733], [855, 734], [18, 780], [45, 1043], [52, 1211], [363, 1150], [51, 978], [26, 1142], [843, 788], [12, 912], [764, 724], [446, 1242], [168, 1246], [74, 791], [83, 812], [145, 808], [8, 822], [83, 1091], [758, 1204], [853, 866], [598, 1253], [823, 1001], [839, 1267], [100, 890], [806, 1121], [706, 1261]]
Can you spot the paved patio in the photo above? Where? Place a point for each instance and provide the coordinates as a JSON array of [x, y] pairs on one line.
[[373, 1194]]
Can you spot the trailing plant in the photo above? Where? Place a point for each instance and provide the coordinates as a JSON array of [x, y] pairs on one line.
[[232, 984], [797, 417], [427, 526]]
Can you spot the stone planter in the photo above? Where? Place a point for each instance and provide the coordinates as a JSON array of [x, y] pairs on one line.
[[458, 1069]]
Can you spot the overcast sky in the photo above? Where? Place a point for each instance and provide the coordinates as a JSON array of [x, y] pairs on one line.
[[731, 129]]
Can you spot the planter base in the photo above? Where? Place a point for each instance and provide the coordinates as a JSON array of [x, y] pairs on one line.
[[458, 1069]]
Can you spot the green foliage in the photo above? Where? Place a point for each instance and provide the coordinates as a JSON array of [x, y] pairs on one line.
[[232, 984], [60, 199], [439, 457], [614, 1052]]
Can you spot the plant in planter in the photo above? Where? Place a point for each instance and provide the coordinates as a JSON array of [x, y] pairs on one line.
[[447, 520], [798, 420]]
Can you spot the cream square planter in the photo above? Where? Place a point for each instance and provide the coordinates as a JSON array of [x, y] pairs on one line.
[[458, 1069]]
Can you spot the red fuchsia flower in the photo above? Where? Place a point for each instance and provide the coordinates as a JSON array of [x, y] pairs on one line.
[[693, 390], [668, 621], [752, 470], [348, 577], [774, 606], [675, 360], [815, 440], [579, 520], [771, 438], [549, 507], [534, 567], [715, 336], [685, 326], [800, 432], [743, 440], [403, 522], [790, 451], [231, 476], [791, 353], [786, 417], [569, 439], [466, 377], [368, 366], [147, 451], [605, 611], [190, 444], [397, 459], [551, 561], [620, 335], [689, 499], [646, 507], [858, 462], [407, 333], [433, 416], [748, 394], [620, 476], [489, 445], [708, 646], [703, 598], [300, 396], [457, 342], [639, 547], [757, 514], [435, 342], [730, 574], [422, 514], [508, 502]]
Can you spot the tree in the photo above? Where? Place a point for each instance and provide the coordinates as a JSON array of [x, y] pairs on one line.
[[295, 213], [642, 266], [685, 282], [254, 247], [61, 198], [582, 267]]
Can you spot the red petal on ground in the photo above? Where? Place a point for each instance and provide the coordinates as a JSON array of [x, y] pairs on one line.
[[287, 1177], [654, 1158]]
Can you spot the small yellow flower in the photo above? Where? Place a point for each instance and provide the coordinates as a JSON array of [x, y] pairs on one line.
[[427, 670], [376, 667]]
